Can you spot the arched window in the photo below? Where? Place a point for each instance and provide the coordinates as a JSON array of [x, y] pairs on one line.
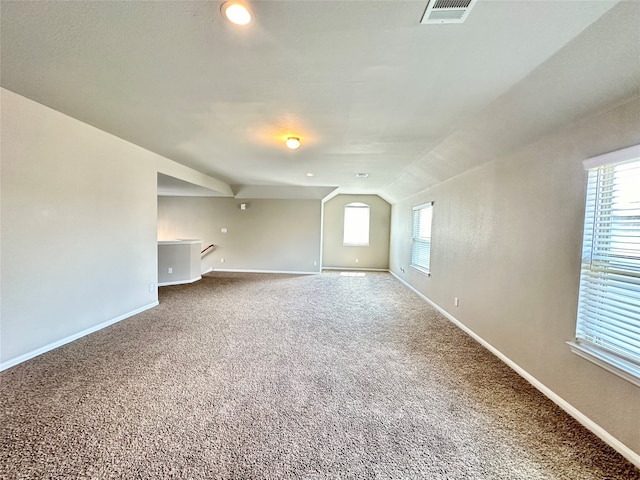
[[356, 224]]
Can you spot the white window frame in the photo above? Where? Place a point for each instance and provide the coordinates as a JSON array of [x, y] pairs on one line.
[[608, 321], [421, 238], [360, 237]]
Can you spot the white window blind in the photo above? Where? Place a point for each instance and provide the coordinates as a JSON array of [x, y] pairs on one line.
[[356, 224], [421, 237], [608, 325]]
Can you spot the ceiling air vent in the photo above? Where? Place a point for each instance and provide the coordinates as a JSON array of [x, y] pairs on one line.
[[447, 11]]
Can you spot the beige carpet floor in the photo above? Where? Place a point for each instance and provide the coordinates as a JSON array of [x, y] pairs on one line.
[[250, 376]]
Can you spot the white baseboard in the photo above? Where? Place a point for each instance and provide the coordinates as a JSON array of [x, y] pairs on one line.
[[39, 351], [180, 282], [240, 270], [605, 436], [347, 269]]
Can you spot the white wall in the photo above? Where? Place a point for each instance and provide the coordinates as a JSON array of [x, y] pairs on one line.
[[179, 262], [335, 254], [270, 235], [78, 228], [507, 241]]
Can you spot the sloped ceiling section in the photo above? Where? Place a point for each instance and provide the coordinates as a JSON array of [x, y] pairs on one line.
[[282, 192], [365, 86], [174, 187], [597, 68]]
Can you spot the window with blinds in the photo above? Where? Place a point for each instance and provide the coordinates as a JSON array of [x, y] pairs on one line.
[[421, 237], [608, 325], [356, 225]]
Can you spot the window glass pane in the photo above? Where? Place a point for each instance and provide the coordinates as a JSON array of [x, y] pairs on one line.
[[356, 224], [609, 302], [421, 237]]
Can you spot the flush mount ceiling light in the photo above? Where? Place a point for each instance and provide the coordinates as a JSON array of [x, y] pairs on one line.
[[292, 142], [310, 174], [237, 12], [362, 175]]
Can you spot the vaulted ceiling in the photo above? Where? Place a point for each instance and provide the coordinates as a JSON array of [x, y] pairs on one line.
[[365, 86]]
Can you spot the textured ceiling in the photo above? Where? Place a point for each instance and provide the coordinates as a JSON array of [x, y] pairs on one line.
[[362, 83]]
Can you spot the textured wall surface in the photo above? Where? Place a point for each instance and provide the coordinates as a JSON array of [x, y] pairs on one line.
[[335, 254], [78, 227], [178, 262], [507, 241], [276, 235]]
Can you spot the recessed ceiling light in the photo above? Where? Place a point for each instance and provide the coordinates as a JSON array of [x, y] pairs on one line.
[[310, 174], [237, 12], [362, 175], [292, 142]]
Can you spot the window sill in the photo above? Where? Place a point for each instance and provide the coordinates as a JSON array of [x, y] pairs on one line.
[[423, 271], [608, 361], [355, 244]]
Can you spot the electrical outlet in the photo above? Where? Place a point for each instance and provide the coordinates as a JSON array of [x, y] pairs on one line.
[[169, 270], [357, 260], [151, 287], [223, 230], [315, 264], [402, 269], [222, 260], [456, 301]]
